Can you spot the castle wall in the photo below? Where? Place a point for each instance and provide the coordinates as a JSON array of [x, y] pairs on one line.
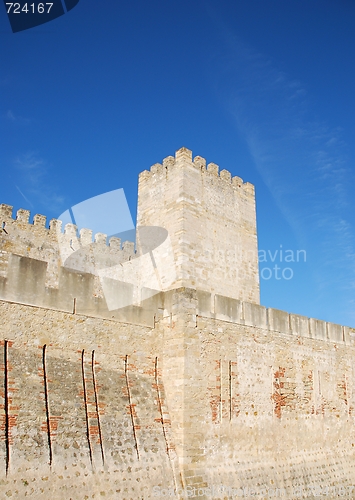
[[267, 398], [210, 218], [278, 412], [83, 410], [203, 398]]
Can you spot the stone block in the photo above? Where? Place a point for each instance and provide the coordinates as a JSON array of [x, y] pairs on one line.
[[228, 309], [203, 303], [278, 320], [318, 329], [299, 325], [255, 315], [335, 332]]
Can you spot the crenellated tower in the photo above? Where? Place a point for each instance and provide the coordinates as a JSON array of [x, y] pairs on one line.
[[211, 221]]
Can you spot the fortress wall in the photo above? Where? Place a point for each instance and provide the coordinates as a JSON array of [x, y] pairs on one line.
[[210, 217], [193, 387], [196, 399], [267, 408], [30, 259], [281, 412], [82, 407]]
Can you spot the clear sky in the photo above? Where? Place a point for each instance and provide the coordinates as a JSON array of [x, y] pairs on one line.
[[264, 88]]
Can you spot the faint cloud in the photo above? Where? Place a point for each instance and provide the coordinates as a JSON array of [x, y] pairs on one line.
[[24, 197], [302, 160], [31, 166], [332, 141], [34, 181], [10, 116]]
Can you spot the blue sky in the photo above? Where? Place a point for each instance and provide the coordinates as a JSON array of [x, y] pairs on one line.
[[264, 88]]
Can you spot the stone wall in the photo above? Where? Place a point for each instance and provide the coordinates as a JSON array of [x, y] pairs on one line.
[[83, 411], [95, 407]]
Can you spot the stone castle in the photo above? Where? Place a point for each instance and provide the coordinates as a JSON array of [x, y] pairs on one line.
[[154, 372]]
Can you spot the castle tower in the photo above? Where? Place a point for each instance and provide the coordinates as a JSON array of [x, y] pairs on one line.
[[210, 218]]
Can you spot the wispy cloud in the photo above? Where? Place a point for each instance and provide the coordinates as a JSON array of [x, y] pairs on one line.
[[35, 183], [15, 119], [31, 166], [302, 160], [23, 196]]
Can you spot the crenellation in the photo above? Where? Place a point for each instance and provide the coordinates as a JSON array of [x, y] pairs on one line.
[[299, 325], [278, 321], [6, 211], [255, 315], [23, 216], [335, 332], [55, 226], [128, 248], [57, 249], [143, 176], [183, 155], [39, 220], [115, 243], [168, 162], [226, 175], [213, 169], [71, 230], [200, 162], [101, 239], [349, 335], [318, 329], [237, 181], [157, 168], [85, 236], [249, 188], [273, 320]]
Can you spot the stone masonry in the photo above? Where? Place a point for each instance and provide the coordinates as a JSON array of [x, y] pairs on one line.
[[187, 388]]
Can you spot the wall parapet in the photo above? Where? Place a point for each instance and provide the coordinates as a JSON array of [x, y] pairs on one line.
[[255, 315], [25, 284], [26, 278]]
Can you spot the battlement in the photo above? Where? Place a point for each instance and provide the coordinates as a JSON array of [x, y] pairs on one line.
[[184, 157], [68, 236], [70, 231], [59, 250], [25, 283], [73, 270]]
